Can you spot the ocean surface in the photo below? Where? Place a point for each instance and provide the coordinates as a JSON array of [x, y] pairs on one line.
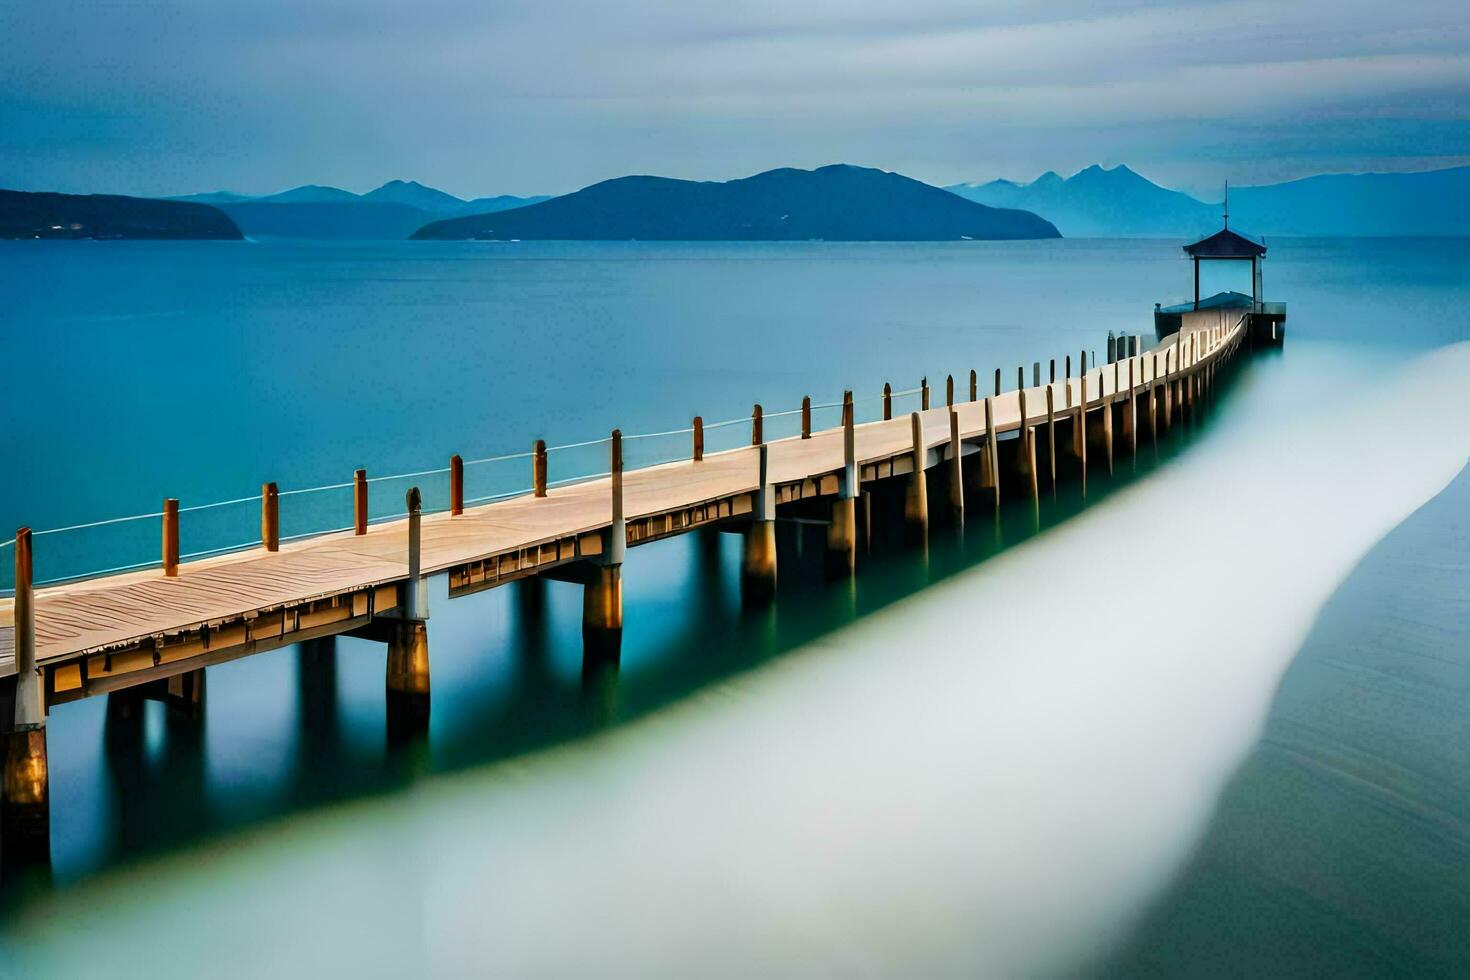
[[1012, 753]]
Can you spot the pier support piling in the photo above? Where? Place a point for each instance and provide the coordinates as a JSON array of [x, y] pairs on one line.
[[602, 595], [25, 782], [758, 563], [916, 500], [842, 530]]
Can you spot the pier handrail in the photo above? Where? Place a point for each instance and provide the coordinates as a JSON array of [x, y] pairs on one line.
[[887, 397]]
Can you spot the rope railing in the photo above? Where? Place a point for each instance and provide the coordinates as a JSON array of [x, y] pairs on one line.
[[457, 496]]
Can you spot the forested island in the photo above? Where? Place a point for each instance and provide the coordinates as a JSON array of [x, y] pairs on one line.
[[102, 216], [833, 203]]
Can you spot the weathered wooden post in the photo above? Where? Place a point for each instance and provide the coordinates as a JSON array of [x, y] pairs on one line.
[[990, 468], [1130, 413], [602, 596], [359, 502], [887, 401], [949, 391], [1026, 451], [974, 385], [407, 680], [170, 537], [1051, 432], [698, 438], [842, 531], [25, 785], [916, 499], [1069, 381], [1036, 374], [956, 470], [1052, 377], [1153, 402], [806, 416], [758, 563], [456, 486], [538, 468], [924, 393], [757, 426], [270, 517], [997, 381], [1020, 377]]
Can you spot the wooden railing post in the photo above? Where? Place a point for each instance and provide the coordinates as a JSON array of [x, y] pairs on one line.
[[1036, 374], [949, 391], [1020, 377], [171, 537], [359, 502], [538, 468], [806, 416], [1053, 377], [456, 485], [997, 381], [619, 529], [1051, 432], [990, 473], [757, 426], [30, 700], [956, 469], [1069, 380], [270, 517], [887, 402], [974, 386], [416, 592], [698, 438], [924, 393]]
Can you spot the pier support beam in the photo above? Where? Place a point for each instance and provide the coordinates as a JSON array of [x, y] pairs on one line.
[[408, 678], [25, 783], [842, 531], [407, 675], [758, 563], [602, 595], [916, 499]]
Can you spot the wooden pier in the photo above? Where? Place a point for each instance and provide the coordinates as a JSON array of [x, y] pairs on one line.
[[156, 630]]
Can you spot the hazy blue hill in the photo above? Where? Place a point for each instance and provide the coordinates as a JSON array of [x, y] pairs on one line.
[[1434, 202], [1118, 202], [416, 195], [834, 203], [310, 194], [326, 219], [29, 215], [1100, 203], [504, 202], [394, 210]]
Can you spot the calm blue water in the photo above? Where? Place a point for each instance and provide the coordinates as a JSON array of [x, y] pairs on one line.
[[198, 370]]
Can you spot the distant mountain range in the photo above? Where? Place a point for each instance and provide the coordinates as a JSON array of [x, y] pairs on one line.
[[1118, 202], [833, 203], [31, 215], [394, 210]]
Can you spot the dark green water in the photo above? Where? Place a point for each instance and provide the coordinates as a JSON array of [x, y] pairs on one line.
[[392, 356], [1342, 846]]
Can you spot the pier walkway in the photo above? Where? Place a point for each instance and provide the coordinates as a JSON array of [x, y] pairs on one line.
[[106, 633]]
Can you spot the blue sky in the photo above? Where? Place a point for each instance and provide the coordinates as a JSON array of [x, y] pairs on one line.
[[544, 97]]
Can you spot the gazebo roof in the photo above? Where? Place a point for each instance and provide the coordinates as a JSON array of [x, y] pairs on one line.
[[1225, 244]]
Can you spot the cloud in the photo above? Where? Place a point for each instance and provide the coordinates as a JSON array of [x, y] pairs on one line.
[[527, 97]]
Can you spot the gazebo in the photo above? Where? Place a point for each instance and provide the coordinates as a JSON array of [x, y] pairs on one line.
[[1225, 245]]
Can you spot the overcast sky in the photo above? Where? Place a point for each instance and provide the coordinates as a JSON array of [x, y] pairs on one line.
[[545, 96]]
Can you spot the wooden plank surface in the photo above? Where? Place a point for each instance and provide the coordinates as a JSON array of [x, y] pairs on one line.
[[108, 612]]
